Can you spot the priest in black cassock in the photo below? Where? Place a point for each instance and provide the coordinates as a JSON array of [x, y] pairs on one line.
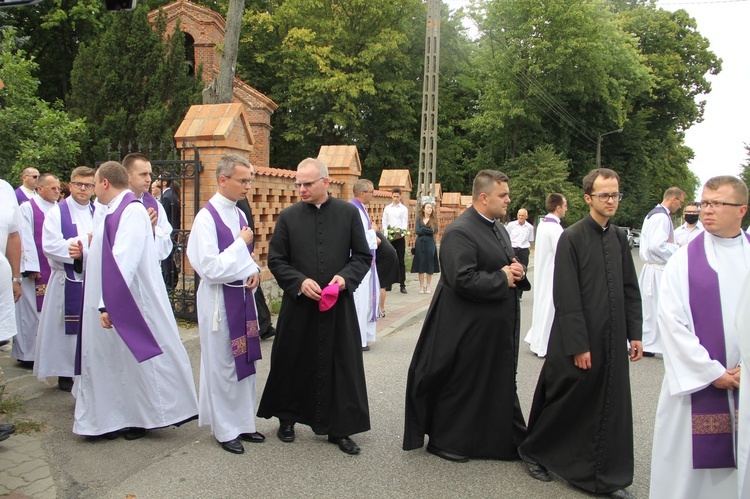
[[317, 376], [581, 421], [461, 386]]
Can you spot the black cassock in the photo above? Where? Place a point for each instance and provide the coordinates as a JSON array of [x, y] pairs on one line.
[[317, 377], [461, 387], [581, 422]]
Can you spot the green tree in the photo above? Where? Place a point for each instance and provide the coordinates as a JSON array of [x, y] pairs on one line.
[[342, 72], [745, 176], [132, 85], [536, 174], [34, 132]]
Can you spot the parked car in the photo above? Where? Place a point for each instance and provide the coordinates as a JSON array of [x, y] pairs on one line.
[[636, 237], [629, 233]]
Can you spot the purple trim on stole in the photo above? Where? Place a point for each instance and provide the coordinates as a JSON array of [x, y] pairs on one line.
[[374, 291], [239, 306], [713, 442], [661, 209], [21, 196], [123, 311], [550, 219], [40, 285], [73, 288], [149, 201]]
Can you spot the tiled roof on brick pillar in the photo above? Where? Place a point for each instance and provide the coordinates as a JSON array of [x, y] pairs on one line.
[[395, 178], [216, 125], [466, 201], [343, 164], [452, 199]]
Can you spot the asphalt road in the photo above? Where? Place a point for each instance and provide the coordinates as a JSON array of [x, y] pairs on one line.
[[187, 462]]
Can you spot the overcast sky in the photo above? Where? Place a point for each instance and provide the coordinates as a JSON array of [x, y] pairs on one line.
[[719, 140]]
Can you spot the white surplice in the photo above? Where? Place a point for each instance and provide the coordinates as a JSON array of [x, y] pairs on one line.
[[225, 404], [655, 250], [547, 235], [742, 321], [10, 222], [162, 233], [363, 295], [55, 350], [27, 315], [689, 368], [114, 390]]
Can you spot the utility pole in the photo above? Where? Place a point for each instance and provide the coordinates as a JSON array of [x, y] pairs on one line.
[[429, 132], [599, 146]]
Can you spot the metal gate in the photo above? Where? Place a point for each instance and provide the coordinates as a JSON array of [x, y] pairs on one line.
[[184, 177]]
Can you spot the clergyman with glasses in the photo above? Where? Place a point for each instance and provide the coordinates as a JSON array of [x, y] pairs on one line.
[[658, 244], [581, 420], [29, 180], [220, 250], [696, 451], [69, 222], [318, 255]]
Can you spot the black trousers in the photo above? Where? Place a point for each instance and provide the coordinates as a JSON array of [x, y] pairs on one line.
[[400, 246]]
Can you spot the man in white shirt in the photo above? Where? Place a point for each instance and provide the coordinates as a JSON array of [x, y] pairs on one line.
[[692, 226], [695, 435], [34, 267], [396, 216], [220, 251], [521, 234], [547, 235], [139, 181], [657, 246]]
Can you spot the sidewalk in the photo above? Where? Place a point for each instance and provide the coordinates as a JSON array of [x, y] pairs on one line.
[[24, 471]]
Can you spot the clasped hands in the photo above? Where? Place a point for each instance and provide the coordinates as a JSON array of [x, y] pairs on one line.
[[515, 272], [729, 380], [312, 290]]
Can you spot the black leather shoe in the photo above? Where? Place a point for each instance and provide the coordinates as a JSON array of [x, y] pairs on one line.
[[366, 348], [7, 429], [234, 446], [536, 470], [268, 334], [286, 432], [134, 433], [65, 383], [403, 289], [255, 438], [111, 435], [621, 494], [346, 444], [647, 354], [448, 456]]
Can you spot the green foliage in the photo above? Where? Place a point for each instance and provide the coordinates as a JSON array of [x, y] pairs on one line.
[[132, 86], [745, 176], [538, 173], [34, 133]]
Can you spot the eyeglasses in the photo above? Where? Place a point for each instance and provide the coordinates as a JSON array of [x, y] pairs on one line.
[[606, 197], [717, 204], [306, 185], [244, 182], [82, 185], [32, 176]]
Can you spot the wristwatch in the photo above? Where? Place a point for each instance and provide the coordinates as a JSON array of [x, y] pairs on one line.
[[18, 279]]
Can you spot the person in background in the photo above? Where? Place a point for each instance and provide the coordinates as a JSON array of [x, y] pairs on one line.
[[521, 235], [692, 226], [425, 261], [396, 221], [156, 189], [29, 180]]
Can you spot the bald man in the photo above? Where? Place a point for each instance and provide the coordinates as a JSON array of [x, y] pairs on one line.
[[521, 234]]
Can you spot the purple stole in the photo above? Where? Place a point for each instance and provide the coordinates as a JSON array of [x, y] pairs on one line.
[[239, 306], [21, 196], [713, 442], [73, 288], [123, 311], [550, 219], [660, 209], [44, 269], [149, 201], [374, 291]]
